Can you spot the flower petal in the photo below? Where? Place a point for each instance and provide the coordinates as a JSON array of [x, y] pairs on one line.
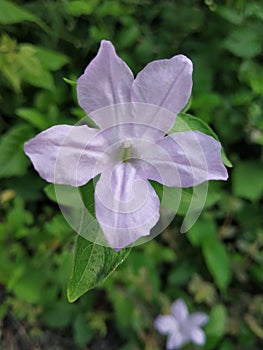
[[166, 324], [126, 206], [107, 80], [197, 336], [166, 83], [175, 341], [155, 120], [65, 154], [183, 159], [199, 318], [179, 310]]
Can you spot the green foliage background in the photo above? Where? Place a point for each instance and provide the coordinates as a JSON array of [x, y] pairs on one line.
[[217, 267]]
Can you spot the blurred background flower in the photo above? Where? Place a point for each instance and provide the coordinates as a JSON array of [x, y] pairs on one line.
[[181, 327]]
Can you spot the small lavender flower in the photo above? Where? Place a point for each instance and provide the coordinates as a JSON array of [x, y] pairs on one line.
[[181, 327], [131, 145]]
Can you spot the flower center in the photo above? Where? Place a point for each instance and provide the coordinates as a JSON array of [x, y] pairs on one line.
[[126, 151]]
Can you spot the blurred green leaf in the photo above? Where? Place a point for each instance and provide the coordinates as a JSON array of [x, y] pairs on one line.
[[247, 180], [245, 41], [20, 62], [218, 261], [34, 117], [203, 230], [59, 315], [11, 13], [13, 161], [82, 331], [80, 7], [51, 60], [215, 329], [112, 8], [93, 263], [31, 68], [252, 74], [65, 195]]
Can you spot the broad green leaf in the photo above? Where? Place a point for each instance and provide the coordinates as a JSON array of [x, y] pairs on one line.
[[185, 121], [128, 35], [11, 13], [58, 315], [52, 60], [252, 74], [215, 328], [81, 7], [92, 264], [34, 117], [82, 331], [247, 179], [112, 8], [245, 41], [65, 195], [13, 161], [31, 68], [202, 230], [19, 62], [217, 261]]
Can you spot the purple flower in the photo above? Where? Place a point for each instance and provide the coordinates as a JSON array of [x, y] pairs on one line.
[[181, 327], [131, 145]]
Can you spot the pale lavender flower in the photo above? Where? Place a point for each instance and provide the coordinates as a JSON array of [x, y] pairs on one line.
[[131, 144], [181, 327]]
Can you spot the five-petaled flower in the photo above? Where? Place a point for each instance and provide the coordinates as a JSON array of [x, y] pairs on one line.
[[181, 327], [130, 145]]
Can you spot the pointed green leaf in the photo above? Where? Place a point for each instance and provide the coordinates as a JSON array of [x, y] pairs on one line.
[[247, 180], [11, 13], [34, 117], [13, 161], [92, 264], [80, 7], [201, 231], [52, 60], [217, 261], [65, 195], [215, 328]]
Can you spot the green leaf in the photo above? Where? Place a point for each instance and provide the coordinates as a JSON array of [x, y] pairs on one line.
[[92, 264], [217, 261], [65, 195], [245, 41], [185, 121], [32, 69], [59, 315], [215, 328], [201, 231], [78, 7], [247, 180], [13, 161], [11, 14], [52, 60], [34, 117], [252, 74]]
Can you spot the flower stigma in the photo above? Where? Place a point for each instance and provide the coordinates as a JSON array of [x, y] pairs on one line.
[[126, 151]]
